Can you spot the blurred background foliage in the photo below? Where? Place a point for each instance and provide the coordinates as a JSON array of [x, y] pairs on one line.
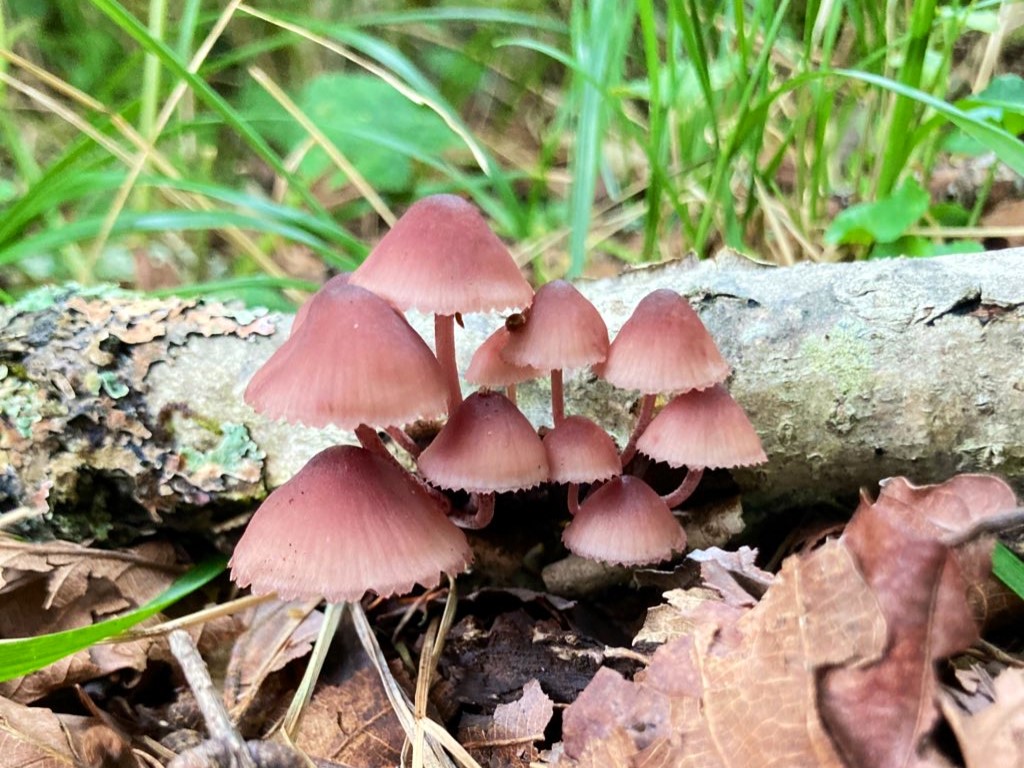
[[249, 149]]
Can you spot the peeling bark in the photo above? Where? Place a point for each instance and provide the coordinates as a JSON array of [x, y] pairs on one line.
[[849, 372]]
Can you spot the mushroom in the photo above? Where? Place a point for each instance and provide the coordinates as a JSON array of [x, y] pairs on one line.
[[486, 447], [624, 522], [701, 429], [562, 330], [489, 369], [440, 257], [347, 523], [662, 348], [579, 451], [353, 361]]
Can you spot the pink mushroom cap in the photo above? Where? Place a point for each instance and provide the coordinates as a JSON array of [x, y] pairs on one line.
[[489, 369], [703, 428], [302, 311], [441, 257], [562, 330], [663, 347], [624, 522], [353, 360], [487, 445], [579, 451], [349, 522]]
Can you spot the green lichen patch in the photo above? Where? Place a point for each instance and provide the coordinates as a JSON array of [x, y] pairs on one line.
[[73, 404]]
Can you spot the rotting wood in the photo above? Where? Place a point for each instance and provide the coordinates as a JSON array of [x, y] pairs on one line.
[[850, 373]]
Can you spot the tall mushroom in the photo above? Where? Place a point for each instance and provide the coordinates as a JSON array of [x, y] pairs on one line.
[[442, 258], [562, 330], [353, 361], [662, 348], [348, 523]]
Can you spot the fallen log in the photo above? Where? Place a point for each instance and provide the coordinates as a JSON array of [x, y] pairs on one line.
[[118, 411]]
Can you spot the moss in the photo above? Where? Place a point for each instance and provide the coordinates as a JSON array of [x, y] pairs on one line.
[[844, 357]]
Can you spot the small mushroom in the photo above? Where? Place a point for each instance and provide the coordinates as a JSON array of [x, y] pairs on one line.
[[486, 447], [579, 451], [662, 348], [701, 429], [562, 330], [624, 522], [489, 369]]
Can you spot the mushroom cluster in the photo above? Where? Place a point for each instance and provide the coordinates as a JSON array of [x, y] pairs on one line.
[[355, 521]]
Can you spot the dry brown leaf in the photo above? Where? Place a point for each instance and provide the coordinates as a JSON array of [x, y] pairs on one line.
[[507, 737], [683, 611], [992, 738], [742, 692], [273, 634], [55, 586], [879, 713], [352, 724], [32, 737], [734, 574]]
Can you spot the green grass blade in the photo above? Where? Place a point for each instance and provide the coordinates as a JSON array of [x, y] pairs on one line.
[[233, 284], [601, 30], [1008, 568], [21, 656], [499, 16], [1007, 147], [131, 26], [163, 221]]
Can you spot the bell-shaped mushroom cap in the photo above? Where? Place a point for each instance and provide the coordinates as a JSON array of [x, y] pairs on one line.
[[348, 522], [441, 257], [353, 360], [624, 522], [487, 445], [579, 451], [663, 347], [704, 428], [562, 330], [301, 312], [489, 369]]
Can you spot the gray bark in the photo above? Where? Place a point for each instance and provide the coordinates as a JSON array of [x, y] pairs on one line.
[[849, 372]]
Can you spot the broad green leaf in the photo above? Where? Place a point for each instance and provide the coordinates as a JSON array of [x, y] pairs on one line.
[[21, 656], [923, 247], [1003, 99], [882, 221], [348, 108]]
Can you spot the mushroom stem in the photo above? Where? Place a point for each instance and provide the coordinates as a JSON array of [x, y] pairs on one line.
[[444, 348], [510, 393], [332, 615], [475, 519], [686, 487], [370, 440], [401, 437], [557, 397], [642, 420], [574, 498]]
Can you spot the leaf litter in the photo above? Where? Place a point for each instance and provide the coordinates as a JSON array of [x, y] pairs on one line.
[[832, 661]]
